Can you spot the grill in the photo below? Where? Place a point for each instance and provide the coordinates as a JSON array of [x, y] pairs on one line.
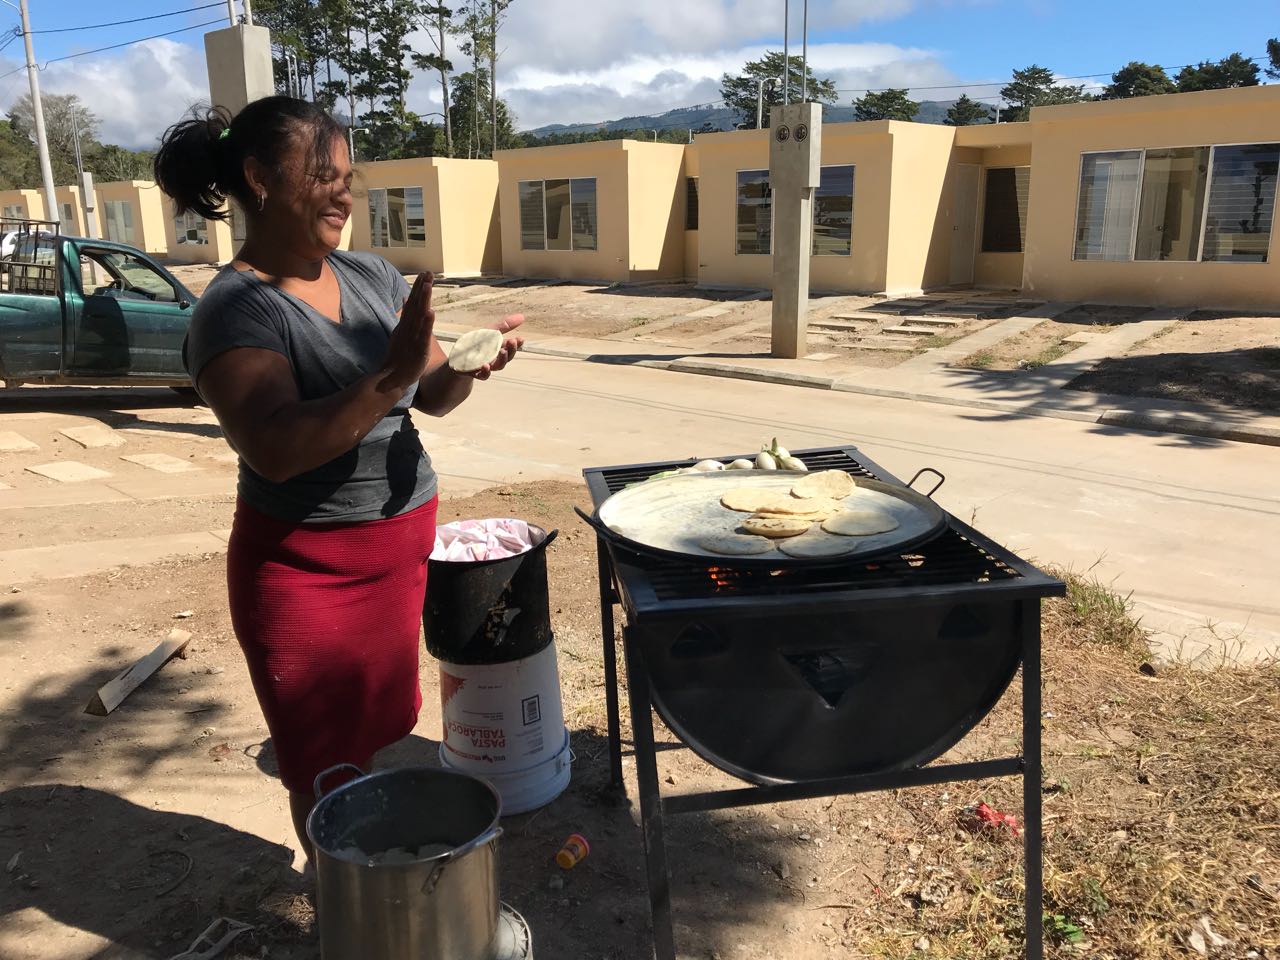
[[811, 681]]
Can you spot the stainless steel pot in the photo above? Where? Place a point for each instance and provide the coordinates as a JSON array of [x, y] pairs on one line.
[[438, 903]]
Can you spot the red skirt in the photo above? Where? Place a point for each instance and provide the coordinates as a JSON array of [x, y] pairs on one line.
[[329, 617]]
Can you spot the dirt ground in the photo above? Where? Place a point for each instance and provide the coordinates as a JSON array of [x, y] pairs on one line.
[[125, 836], [1231, 360]]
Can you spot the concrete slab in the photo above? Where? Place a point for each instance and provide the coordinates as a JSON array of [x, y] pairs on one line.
[[905, 331], [959, 349], [41, 498], [841, 324], [939, 322], [68, 471], [161, 462], [819, 357], [11, 442], [5, 486], [93, 436], [715, 310], [82, 559], [160, 486]]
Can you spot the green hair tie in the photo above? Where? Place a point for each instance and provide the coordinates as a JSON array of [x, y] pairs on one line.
[[226, 132]]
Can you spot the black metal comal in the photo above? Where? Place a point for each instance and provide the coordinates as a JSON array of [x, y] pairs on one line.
[[814, 682]]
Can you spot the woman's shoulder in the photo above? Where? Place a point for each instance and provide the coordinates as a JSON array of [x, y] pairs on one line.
[[233, 295], [369, 265]]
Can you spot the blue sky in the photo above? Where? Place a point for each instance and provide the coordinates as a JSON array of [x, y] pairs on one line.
[[667, 53]]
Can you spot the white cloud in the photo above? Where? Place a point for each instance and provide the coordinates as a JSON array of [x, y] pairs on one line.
[[136, 93]]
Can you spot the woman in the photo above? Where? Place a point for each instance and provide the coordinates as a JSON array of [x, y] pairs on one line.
[[311, 358]]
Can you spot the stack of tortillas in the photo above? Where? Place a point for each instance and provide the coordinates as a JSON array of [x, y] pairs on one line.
[[813, 520]]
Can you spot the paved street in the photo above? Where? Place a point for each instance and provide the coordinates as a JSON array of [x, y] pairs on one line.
[[1191, 526]]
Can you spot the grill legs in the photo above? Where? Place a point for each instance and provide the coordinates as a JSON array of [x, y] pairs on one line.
[[1031, 797], [605, 574]]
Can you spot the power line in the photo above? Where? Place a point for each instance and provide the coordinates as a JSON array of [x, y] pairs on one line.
[[117, 23], [130, 43]]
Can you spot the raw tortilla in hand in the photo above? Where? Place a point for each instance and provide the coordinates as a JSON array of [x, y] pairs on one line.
[[474, 349]]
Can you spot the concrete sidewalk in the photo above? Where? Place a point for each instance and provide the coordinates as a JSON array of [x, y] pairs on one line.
[[927, 378]]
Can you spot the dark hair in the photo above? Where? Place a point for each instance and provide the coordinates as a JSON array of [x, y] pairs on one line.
[[201, 159]]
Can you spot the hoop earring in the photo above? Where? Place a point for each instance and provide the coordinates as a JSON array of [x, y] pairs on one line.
[[262, 201]]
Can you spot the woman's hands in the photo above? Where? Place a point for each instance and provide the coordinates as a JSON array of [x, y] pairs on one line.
[[510, 346], [409, 352]]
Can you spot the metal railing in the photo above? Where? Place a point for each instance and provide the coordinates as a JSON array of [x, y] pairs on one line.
[[28, 256]]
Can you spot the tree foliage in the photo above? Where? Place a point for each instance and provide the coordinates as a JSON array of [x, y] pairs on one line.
[[1034, 86], [965, 112], [886, 105], [740, 91], [1137, 79], [473, 134], [1235, 70], [1273, 55], [63, 115]]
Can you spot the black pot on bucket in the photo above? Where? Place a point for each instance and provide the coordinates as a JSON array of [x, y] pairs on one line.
[[489, 611]]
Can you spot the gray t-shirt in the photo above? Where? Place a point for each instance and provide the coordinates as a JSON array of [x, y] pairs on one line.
[[385, 474]]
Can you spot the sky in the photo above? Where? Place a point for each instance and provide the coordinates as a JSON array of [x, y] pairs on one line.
[[575, 61]]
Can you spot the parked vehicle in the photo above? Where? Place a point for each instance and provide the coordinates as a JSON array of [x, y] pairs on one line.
[[81, 311]]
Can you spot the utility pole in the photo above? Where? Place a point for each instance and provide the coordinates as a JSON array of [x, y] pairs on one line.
[[804, 58], [42, 140], [351, 140], [231, 12], [786, 52]]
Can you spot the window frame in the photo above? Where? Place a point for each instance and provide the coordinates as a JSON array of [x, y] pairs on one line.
[[853, 194], [1204, 212], [736, 186], [408, 243], [542, 184]]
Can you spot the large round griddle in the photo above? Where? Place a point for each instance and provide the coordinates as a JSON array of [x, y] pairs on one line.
[[667, 517]]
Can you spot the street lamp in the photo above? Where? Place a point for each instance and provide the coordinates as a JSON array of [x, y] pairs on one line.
[[351, 139]]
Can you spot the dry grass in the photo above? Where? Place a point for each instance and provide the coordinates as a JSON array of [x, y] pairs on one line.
[[1162, 810]]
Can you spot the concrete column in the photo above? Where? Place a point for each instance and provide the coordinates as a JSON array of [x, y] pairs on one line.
[[240, 70], [795, 157]]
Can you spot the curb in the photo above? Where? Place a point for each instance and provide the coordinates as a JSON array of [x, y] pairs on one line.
[[1129, 419]]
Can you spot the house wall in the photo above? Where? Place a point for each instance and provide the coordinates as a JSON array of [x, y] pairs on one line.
[[75, 227], [149, 212], [218, 250], [1062, 134], [655, 209], [606, 161], [383, 174], [470, 228], [31, 201]]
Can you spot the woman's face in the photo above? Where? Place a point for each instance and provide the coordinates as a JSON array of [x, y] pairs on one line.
[[314, 203]]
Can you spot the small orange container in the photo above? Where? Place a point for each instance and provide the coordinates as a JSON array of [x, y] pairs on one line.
[[573, 851]]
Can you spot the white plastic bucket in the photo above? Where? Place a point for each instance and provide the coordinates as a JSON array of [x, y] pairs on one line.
[[504, 722]]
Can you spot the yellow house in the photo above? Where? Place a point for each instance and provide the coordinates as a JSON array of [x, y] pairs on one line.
[[606, 211], [190, 238], [133, 212], [1162, 200], [431, 213], [70, 210], [21, 205]]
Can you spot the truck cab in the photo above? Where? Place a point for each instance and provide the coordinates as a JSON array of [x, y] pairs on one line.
[[85, 311]]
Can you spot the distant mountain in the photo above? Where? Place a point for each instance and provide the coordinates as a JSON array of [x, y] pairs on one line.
[[718, 118]]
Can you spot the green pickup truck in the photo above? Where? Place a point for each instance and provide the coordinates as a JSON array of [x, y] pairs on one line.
[[80, 311]]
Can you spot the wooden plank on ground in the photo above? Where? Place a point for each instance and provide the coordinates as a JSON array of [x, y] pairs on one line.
[[113, 693]]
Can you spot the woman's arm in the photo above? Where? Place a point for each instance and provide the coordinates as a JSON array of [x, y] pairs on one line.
[[442, 389], [254, 396]]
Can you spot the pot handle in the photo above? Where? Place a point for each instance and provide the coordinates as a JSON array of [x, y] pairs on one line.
[[936, 487], [318, 786], [437, 871]]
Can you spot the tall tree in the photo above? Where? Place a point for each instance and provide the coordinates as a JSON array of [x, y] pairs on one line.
[[1034, 86], [965, 112], [885, 105], [739, 91], [1273, 54], [438, 22], [472, 136], [111, 163], [63, 115], [497, 13], [17, 158], [1137, 79], [1235, 70]]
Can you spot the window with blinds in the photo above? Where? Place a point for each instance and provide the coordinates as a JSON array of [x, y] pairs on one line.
[[118, 216], [1004, 211], [1178, 203], [691, 203], [833, 213], [755, 212], [1242, 203], [533, 231], [397, 217], [558, 214]]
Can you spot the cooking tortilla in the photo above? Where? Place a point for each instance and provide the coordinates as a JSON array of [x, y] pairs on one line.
[[776, 528], [734, 544], [859, 523], [749, 499], [818, 544], [474, 349], [835, 484], [815, 508]]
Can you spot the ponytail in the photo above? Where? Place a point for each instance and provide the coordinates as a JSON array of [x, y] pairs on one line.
[[200, 163]]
